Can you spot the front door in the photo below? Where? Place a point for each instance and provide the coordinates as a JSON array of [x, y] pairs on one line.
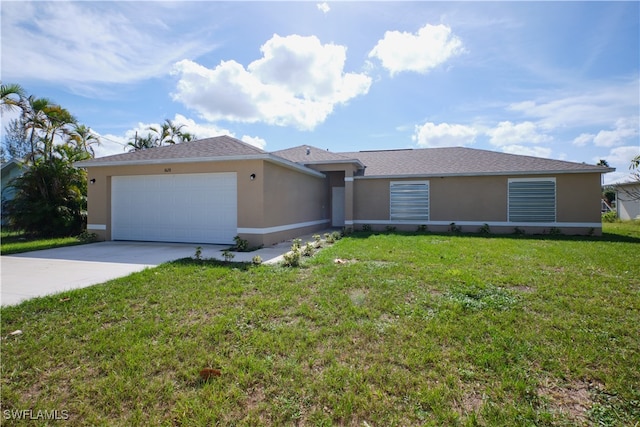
[[337, 206]]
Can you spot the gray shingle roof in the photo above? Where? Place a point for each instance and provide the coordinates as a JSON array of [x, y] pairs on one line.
[[218, 146], [409, 162], [306, 154], [461, 161]]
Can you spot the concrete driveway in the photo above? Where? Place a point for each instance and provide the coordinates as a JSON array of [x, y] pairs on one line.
[[51, 271]]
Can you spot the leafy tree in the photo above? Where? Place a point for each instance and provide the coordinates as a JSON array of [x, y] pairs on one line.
[[15, 144], [50, 197]]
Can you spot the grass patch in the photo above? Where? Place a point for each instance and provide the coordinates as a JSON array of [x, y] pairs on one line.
[[433, 329], [18, 242]]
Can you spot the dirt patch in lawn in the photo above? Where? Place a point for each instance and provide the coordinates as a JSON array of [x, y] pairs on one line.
[[573, 400]]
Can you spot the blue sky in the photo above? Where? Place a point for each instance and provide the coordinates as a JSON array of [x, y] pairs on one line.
[[549, 79]]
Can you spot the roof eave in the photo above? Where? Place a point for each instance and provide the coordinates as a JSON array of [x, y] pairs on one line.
[[266, 156], [471, 174]]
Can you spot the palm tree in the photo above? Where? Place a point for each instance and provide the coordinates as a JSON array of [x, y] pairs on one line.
[[169, 133], [58, 119], [8, 94], [35, 120], [141, 143], [82, 137]]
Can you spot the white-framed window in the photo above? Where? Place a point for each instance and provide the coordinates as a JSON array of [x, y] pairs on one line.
[[409, 200], [532, 200]]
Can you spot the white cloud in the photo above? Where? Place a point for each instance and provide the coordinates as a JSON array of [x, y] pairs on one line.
[[507, 133], [527, 151], [625, 129], [297, 82], [421, 52], [600, 105], [583, 139], [443, 135], [89, 42], [255, 141], [117, 144], [323, 7], [620, 158]]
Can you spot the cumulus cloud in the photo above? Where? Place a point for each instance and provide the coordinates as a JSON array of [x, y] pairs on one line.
[[620, 158], [509, 134], [625, 129], [255, 141], [443, 135], [297, 82], [323, 7], [431, 46]]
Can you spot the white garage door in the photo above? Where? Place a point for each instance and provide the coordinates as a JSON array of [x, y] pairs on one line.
[[189, 208]]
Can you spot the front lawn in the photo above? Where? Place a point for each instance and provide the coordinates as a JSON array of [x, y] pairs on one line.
[[377, 330], [18, 242]]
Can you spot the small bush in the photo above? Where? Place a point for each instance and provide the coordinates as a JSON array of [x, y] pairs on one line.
[[336, 235], [328, 238], [241, 245], [485, 229], [86, 237], [555, 231], [256, 260], [198, 254], [228, 255], [610, 216], [518, 231], [422, 228], [292, 258], [346, 231], [454, 228], [366, 227], [390, 229], [307, 250]]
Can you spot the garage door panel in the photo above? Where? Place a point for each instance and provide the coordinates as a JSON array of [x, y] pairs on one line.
[[193, 208]]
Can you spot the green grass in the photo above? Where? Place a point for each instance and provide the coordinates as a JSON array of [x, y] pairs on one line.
[[431, 329], [17, 242]]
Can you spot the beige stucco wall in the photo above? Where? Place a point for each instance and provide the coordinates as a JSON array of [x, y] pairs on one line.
[[278, 196], [480, 199], [250, 205]]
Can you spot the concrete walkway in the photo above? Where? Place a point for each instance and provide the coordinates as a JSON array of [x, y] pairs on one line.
[[39, 273]]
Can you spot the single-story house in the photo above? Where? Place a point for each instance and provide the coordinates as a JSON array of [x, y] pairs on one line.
[[628, 200], [210, 190]]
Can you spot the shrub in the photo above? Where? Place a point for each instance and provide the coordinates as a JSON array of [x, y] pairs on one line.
[[307, 250], [336, 235], [329, 238], [518, 231], [366, 227], [390, 229], [422, 228], [292, 258], [228, 255], [87, 237], [555, 231], [454, 228], [485, 229], [610, 216], [241, 245], [256, 260], [198, 254]]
